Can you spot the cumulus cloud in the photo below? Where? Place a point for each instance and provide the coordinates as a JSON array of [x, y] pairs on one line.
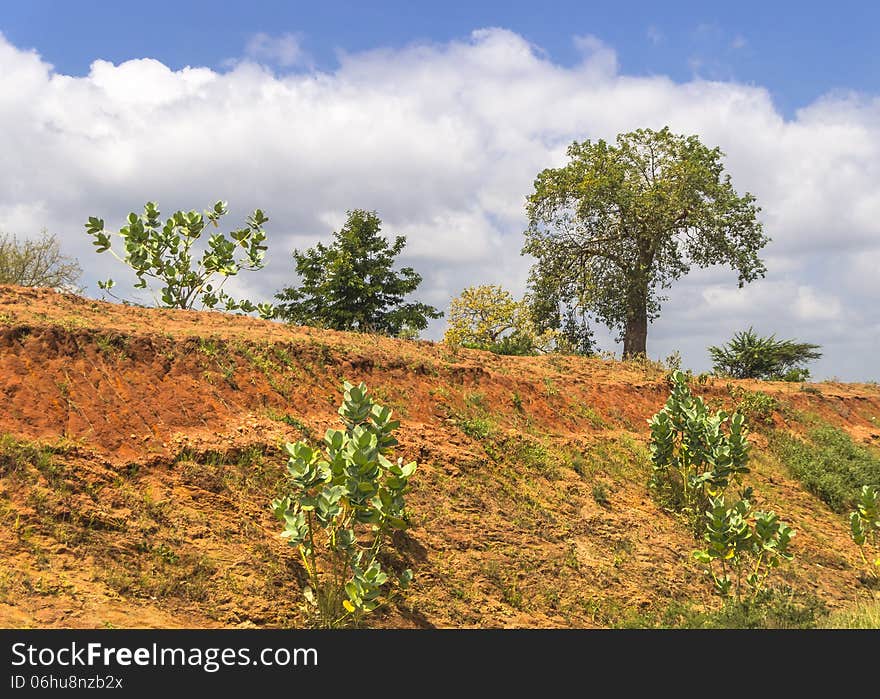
[[444, 141]]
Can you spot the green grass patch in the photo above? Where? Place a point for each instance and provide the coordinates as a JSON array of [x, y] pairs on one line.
[[622, 456], [773, 609], [828, 463], [864, 615]]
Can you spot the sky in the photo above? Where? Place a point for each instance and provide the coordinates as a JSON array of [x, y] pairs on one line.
[[439, 116]]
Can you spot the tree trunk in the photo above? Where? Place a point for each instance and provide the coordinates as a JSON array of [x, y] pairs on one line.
[[635, 334]]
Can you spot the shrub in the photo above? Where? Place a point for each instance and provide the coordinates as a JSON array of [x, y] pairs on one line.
[[755, 406], [37, 263], [749, 356], [692, 457], [475, 427], [829, 464], [743, 544], [865, 525], [345, 502], [164, 253], [600, 494], [694, 461]]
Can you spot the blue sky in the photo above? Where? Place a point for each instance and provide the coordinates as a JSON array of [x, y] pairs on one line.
[[798, 50], [439, 116]]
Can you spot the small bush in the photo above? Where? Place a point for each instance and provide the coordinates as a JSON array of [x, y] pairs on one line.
[[755, 406], [829, 464], [344, 504], [476, 427], [750, 356], [692, 457], [865, 527], [600, 494], [742, 547]]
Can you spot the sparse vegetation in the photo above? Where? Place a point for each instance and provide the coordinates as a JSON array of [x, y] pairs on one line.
[[755, 406], [546, 484], [771, 609]]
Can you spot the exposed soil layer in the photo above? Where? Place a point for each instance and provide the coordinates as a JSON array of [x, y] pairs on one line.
[[145, 448]]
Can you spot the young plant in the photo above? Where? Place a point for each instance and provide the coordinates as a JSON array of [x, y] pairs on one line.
[[345, 501], [163, 252], [864, 524], [744, 545], [692, 457]]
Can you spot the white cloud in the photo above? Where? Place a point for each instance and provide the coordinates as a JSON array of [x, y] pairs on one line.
[[444, 141], [284, 50]]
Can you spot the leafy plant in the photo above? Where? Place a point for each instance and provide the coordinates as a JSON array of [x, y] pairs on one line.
[[750, 356], [600, 494], [742, 544], [351, 284], [692, 457], [345, 501], [864, 524], [476, 427], [516, 401], [163, 252]]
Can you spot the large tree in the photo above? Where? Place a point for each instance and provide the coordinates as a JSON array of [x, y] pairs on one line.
[[351, 284], [621, 221]]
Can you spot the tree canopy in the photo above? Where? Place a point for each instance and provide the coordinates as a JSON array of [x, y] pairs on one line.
[[488, 317], [351, 284], [619, 222], [37, 262]]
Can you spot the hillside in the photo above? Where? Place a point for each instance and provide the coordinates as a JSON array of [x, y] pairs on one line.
[[140, 450]]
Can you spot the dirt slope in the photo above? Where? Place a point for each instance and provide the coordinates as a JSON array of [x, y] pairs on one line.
[[141, 449]]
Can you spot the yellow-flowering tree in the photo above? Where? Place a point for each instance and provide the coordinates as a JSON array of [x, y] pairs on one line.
[[488, 317]]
